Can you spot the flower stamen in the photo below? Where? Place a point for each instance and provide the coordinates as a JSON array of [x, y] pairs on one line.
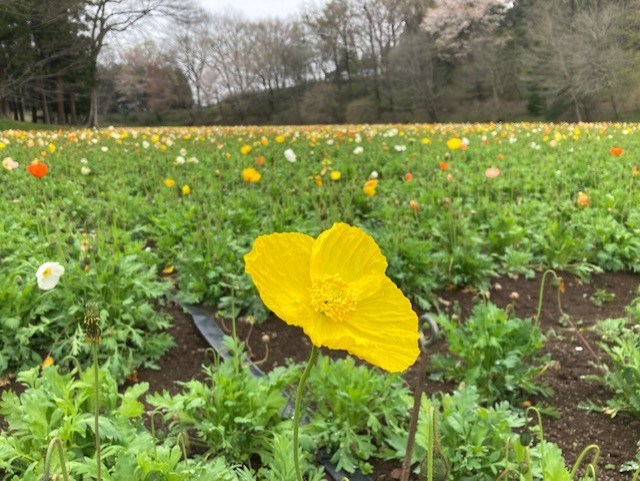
[[333, 297]]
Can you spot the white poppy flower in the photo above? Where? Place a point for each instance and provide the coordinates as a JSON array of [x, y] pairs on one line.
[[358, 150], [48, 275], [373, 174], [85, 170], [290, 155]]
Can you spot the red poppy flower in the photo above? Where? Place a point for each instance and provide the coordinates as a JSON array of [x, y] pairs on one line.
[[408, 176], [37, 169]]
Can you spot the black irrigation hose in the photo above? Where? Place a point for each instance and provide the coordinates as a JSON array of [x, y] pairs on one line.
[[214, 335]]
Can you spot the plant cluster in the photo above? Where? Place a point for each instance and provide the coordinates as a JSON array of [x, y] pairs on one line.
[[116, 207], [497, 352], [59, 405]]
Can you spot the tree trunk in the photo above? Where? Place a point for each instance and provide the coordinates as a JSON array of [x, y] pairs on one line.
[[16, 116], [6, 111], [34, 114], [92, 120], [45, 110], [21, 108], [72, 108], [60, 100]]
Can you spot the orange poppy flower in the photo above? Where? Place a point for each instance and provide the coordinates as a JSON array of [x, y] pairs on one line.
[[616, 151], [408, 176], [583, 199], [444, 166], [414, 205], [260, 160], [37, 169]]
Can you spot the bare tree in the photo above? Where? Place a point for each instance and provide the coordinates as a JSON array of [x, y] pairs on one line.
[[602, 64], [576, 53], [417, 73], [231, 54], [148, 80], [191, 45], [333, 33], [380, 24], [108, 17]]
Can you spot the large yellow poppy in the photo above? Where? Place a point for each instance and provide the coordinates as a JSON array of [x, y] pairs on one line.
[[336, 289]]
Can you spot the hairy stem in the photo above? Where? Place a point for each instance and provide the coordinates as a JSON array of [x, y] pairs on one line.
[[55, 443], [96, 378], [296, 413]]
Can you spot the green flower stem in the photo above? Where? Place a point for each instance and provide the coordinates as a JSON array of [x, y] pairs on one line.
[[96, 371], [55, 442], [544, 277], [430, 443], [593, 448], [296, 413], [542, 447]]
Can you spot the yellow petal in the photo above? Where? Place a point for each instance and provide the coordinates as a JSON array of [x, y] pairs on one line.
[[168, 270], [279, 267], [383, 331], [350, 254], [48, 362]]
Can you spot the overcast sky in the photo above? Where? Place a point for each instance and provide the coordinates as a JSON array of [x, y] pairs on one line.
[[255, 9]]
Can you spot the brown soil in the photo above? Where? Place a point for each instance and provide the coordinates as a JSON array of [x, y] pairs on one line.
[[573, 430]]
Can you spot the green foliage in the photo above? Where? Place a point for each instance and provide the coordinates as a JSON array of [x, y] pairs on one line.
[[233, 413], [353, 409], [496, 352], [621, 374], [472, 437], [117, 272], [60, 405], [601, 297], [468, 228]]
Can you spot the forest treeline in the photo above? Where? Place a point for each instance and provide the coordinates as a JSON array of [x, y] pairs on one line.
[[63, 61]]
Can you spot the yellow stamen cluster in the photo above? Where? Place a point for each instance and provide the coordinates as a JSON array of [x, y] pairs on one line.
[[333, 297]]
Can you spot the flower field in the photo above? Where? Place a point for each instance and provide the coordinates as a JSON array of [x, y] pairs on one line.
[[130, 219]]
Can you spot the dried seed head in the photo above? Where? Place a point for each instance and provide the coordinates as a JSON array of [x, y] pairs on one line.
[[91, 322]]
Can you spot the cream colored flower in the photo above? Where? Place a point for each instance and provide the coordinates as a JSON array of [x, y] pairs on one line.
[[290, 155], [48, 275]]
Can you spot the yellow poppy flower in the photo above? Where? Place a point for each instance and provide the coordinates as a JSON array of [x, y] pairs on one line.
[[245, 149], [251, 175], [280, 139], [169, 182], [48, 362], [335, 175], [186, 190], [336, 289], [369, 187], [454, 143]]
